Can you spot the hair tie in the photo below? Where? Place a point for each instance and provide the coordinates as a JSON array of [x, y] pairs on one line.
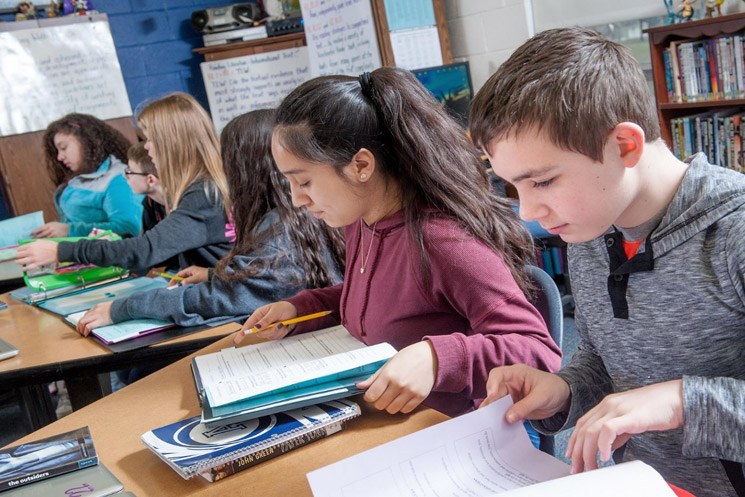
[[366, 84]]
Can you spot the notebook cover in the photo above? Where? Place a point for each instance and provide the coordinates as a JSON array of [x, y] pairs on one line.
[[96, 481], [34, 461], [190, 447]]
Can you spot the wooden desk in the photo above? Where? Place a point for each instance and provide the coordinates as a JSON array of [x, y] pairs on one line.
[[117, 421], [49, 350]]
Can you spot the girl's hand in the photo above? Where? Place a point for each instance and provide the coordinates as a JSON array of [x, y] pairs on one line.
[[191, 276], [98, 316], [51, 230], [266, 315], [404, 381], [37, 254]]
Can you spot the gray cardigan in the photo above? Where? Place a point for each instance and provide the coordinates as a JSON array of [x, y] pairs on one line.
[[280, 277], [195, 232], [686, 319]]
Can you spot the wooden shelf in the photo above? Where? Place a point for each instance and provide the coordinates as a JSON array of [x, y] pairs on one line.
[[251, 47], [660, 38]]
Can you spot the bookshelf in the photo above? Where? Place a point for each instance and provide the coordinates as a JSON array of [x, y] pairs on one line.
[[707, 59]]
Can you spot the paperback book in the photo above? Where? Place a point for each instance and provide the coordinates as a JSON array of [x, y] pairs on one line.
[[35, 461], [191, 448], [237, 384]]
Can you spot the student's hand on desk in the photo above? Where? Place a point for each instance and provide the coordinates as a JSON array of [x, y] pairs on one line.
[[536, 394], [618, 416], [404, 381], [191, 276], [37, 254], [51, 230], [98, 316], [266, 315]]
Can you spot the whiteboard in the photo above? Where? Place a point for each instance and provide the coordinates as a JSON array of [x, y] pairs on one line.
[[341, 36], [47, 72], [242, 84]]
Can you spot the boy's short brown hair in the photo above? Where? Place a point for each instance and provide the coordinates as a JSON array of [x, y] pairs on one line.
[[138, 154], [570, 83]]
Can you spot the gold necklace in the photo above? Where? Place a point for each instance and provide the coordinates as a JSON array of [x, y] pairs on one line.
[[366, 258]]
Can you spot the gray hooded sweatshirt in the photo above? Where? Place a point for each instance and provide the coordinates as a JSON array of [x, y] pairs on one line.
[[675, 310]]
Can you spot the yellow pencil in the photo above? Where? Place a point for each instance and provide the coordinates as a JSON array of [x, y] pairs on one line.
[[288, 322], [171, 276]]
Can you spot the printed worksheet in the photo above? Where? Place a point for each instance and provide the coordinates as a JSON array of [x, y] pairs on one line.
[[235, 374], [474, 455]]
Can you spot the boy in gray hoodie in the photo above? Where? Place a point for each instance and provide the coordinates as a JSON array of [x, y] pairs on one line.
[[656, 259]]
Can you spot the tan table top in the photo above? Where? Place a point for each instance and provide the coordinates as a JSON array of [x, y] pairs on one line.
[[117, 421]]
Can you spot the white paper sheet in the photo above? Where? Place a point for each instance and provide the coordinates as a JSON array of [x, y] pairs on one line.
[[475, 455], [416, 48], [235, 374]]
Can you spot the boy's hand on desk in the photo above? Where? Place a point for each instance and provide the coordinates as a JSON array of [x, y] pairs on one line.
[[191, 276], [267, 315], [618, 416], [536, 394], [404, 381], [37, 254], [98, 316], [51, 230]]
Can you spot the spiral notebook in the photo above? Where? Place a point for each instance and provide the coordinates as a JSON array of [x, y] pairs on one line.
[[191, 448]]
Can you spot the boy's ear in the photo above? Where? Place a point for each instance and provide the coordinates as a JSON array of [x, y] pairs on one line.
[[363, 165], [628, 139]]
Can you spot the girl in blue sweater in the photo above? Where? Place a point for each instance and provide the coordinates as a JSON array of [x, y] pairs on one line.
[[85, 159]]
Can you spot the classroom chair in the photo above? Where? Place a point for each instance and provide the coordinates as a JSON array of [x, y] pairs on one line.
[[547, 300]]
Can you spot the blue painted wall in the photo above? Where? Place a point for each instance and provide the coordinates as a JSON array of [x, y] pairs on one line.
[[154, 42]]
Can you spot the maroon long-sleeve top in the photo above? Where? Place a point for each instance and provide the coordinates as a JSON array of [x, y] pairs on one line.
[[470, 309]]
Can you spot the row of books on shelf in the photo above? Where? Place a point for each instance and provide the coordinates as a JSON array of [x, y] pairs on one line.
[[717, 134], [551, 259], [701, 70]]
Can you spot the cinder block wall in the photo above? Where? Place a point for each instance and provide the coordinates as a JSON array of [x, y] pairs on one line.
[[486, 32]]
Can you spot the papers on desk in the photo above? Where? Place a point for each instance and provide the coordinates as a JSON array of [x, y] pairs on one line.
[[87, 298], [11, 231], [477, 454], [127, 330], [269, 377]]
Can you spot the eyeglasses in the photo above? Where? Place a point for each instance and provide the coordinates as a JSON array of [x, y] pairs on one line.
[[129, 172]]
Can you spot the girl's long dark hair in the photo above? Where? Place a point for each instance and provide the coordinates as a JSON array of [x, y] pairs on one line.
[[329, 119], [256, 187], [98, 140]]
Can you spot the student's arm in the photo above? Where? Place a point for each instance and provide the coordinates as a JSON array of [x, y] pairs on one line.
[[190, 226], [218, 300], [123, 211], [317, 300], [505, 328]]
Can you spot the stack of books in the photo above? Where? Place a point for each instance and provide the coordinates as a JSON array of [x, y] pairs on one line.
[[57, 465], [262, 400], [191, 448]]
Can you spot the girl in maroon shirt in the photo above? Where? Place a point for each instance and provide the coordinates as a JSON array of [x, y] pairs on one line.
[[434, 258]]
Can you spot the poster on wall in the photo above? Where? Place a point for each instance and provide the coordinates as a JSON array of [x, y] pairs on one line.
[[341, 37], [241, 84], [49, 71]]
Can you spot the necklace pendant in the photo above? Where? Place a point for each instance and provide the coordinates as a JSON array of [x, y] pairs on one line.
[[362, 270]]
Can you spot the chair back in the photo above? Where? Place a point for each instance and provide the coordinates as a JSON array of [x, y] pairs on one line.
[[547, 300]]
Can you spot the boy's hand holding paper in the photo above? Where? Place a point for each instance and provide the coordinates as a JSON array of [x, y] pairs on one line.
[[37, 254]]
